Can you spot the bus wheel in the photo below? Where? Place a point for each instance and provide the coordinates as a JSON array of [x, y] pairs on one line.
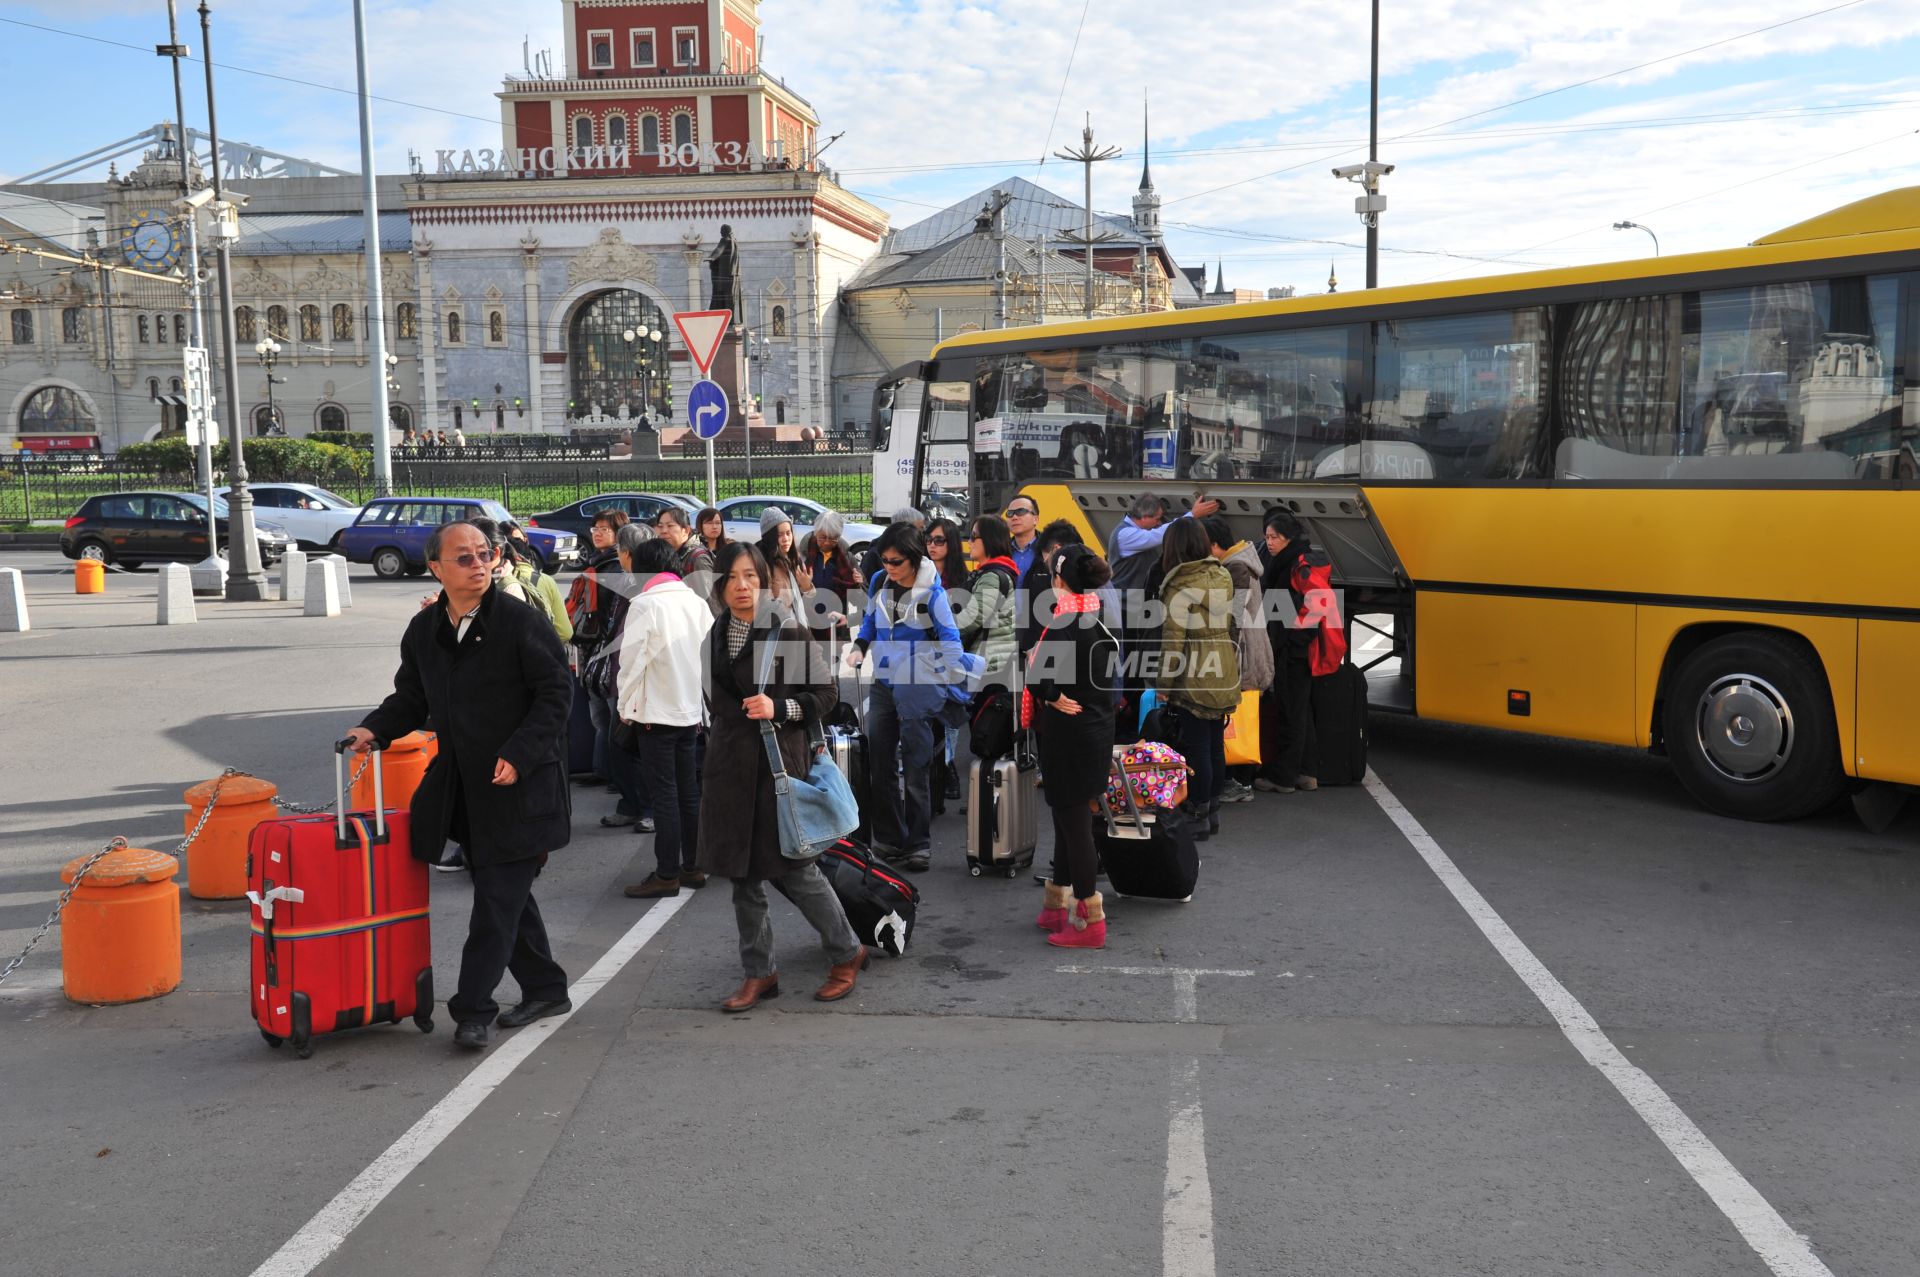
[[1750, 729]]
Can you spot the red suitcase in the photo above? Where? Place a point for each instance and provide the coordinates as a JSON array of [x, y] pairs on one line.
[[341, 936]]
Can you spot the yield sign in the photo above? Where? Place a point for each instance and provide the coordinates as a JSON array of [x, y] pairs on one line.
[[703, 331]]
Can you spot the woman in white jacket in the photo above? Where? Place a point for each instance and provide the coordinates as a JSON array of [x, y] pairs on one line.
[[660, 647]]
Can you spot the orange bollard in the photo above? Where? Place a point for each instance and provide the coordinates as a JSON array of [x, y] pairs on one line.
[[217, 861], [404, 763], [120, 933], [89, 576]]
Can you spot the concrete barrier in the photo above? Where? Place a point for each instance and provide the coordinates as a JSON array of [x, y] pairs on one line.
[[323, 589], [13, 602], [340, 566], [293, 577], [176, 595]]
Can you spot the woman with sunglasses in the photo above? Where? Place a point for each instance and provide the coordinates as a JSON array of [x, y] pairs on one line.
[[986, 617], [919, 688], [944, 552]]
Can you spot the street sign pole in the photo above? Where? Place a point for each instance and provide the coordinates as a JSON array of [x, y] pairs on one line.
[[208, 574], [703, 331]]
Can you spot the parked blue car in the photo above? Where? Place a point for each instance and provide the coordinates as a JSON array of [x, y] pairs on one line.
[[391, 533]]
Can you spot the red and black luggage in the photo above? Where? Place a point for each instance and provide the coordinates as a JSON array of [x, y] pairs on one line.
[[341, 937], [879, 901]]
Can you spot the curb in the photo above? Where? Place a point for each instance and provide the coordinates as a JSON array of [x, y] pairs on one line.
[[30, 540]]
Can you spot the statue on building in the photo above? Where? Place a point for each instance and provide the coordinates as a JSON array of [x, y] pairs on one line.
[[724, 262]]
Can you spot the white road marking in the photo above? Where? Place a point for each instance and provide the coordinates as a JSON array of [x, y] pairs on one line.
[[1772, 1238], [1186, 1216], [1186, 1212], [335, 1222]]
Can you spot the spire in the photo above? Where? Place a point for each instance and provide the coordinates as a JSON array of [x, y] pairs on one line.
[[1333, 280], [1146, 145], [1220, 276]]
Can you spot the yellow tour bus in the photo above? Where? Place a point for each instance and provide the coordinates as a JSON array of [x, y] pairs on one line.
[[1665, 503]]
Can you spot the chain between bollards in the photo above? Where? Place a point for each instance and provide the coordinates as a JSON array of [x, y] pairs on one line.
[[118, 842]]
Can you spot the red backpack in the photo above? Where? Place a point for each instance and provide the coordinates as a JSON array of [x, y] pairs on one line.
[[1313, 581]]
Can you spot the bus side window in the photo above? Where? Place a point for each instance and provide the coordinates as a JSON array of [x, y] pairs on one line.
[[1459, 398]]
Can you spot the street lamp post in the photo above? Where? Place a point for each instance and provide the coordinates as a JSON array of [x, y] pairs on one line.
[[268, 351], [1635, 226], [246, 579]]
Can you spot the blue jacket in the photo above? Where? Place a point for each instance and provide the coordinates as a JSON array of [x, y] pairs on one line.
[[915, 646]]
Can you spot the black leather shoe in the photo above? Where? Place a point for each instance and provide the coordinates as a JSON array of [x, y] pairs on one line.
[[472, 1035], [529, 1011]]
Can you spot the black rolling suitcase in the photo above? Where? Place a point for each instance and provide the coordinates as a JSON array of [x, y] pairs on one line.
[[880, 903], [1339, 703], [1146, 851], [579, 732]]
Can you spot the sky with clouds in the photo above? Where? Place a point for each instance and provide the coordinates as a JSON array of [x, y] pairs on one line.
[[1521, 129]]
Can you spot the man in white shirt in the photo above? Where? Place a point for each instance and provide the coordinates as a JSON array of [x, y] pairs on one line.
[[660, 694]]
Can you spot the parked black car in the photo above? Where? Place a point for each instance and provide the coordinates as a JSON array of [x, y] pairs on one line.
[[131, 528], [641, 507]]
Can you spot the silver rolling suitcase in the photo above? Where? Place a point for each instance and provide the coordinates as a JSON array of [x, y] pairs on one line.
[[1003, 815], [848, 747]]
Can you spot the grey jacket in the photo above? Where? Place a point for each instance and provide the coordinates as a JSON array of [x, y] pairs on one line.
[[1250, 623]]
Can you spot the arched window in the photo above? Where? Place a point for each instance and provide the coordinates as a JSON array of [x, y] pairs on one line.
[[55, 410], [342, 322], [582, 133], [456, 414], [779, 412], [616, 130], [401, 416], [650, 135], [406, 327], [682, 129], [160, 329], [153, 387], [612, 358], [779, 321], [277, 323], [309, 323], [145, 334], [453, 328], [244, 327], [23, 327], [72, 326], [173, 384], [180, 330], [264, 421], [332, 417], [497, 327]]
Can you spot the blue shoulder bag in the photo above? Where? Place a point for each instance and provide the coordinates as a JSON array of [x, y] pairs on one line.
[[816, 810]]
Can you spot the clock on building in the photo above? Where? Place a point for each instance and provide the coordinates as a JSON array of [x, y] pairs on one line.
[[149, 242]]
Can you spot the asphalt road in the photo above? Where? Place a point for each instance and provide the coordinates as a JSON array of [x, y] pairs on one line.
[[1359, 1083]]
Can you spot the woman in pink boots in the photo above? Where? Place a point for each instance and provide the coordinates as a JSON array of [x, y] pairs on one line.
[[1074, 675]]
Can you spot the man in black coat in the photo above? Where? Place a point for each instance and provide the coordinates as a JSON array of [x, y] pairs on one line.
[[489, 671]]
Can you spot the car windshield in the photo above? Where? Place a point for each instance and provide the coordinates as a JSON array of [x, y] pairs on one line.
[[199, 502], [495, 511], [333, 499]]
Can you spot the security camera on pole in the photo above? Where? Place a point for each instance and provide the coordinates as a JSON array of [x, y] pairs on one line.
[[707, 406]]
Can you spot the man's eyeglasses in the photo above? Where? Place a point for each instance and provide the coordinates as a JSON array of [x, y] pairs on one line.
[[893, 560], [473, 558], [1021, 512]]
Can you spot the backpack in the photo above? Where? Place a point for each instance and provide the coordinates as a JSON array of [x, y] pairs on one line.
[[585, 610], [1313, 573]]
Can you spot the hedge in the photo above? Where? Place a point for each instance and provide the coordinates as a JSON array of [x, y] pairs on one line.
[[269, 460]]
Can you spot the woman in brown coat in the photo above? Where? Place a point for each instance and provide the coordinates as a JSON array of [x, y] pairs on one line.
[[739, 823]]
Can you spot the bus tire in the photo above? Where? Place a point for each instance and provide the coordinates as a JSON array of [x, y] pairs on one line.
[[1750, 729]]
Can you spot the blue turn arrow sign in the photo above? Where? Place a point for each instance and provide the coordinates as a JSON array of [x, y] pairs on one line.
[[707, 408]]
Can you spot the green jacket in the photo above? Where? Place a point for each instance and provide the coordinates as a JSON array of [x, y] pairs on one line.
[[543, 595], [986, 621], [1199, 664]]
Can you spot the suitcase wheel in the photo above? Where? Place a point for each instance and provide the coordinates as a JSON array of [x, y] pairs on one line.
[[424, 1023], [1012, 872], [974, 870], [272, 1041], [303, 1049]]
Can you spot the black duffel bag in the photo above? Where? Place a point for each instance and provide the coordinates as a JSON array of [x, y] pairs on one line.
[[880, 902]]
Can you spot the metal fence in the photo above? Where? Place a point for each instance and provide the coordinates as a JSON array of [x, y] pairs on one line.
[[51, 490]]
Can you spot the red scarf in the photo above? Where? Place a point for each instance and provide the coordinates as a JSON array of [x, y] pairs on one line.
[[1005, 562], [1065, 602]]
